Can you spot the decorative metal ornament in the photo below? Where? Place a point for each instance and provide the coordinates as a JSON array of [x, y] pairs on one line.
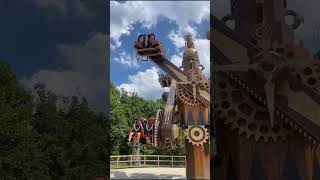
[[197, 135]]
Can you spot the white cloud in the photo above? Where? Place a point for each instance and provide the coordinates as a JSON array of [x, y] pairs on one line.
[[177, 39], [124, 15], [201, 45], [203, 48], [86, 76], [126, 59], [176, 59], [144, 83]]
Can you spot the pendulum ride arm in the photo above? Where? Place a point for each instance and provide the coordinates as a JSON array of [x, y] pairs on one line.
[[180, 76]]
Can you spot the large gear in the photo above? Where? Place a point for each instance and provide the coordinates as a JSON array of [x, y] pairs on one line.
[[197, 135], [195, 77], [236, 109], [185, 96]]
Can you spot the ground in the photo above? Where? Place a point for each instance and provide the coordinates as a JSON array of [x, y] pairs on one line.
[[148, 173]]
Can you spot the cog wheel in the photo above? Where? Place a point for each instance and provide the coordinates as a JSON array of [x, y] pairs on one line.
[[205, 85], [187, 97], [309, 75], [237, 110], [197, 135]]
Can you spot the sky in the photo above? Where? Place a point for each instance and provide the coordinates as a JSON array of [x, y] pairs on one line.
[[169, 21], [61, 43], [64, 43], [309, 30]]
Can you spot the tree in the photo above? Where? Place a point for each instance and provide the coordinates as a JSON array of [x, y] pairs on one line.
[[20, 151], [74, 138], [119, 123], [48, 136]]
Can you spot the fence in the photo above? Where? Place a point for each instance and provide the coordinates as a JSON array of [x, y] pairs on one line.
[[129, 161]]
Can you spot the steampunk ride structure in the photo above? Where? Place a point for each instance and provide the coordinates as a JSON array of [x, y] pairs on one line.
[[187, 104], [266, 95]]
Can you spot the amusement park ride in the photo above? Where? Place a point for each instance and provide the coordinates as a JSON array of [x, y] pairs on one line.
[[187, 105], [266, 95]]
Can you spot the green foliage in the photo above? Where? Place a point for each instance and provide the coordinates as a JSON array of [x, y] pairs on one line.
[[48, 136], [124, 109]]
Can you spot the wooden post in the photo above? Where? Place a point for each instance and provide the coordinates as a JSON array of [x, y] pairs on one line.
[[145, 160], [172, 161], [158, 160], [130, 160], [118, 161], [198, 157]]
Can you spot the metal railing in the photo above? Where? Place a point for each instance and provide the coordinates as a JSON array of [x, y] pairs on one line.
[[130, 161]]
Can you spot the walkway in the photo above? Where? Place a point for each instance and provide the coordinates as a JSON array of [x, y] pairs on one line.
[[148, 173]]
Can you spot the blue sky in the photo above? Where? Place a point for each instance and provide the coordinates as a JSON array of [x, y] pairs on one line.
[[62, 43], [169, 21]]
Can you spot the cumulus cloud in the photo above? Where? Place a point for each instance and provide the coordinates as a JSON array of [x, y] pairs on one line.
[[87, 75], [201, 45], [124, 15], [144, 83], [176, 59], [126, 59]]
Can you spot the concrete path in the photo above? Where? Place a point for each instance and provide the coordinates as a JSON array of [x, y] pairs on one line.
[[148, 173]]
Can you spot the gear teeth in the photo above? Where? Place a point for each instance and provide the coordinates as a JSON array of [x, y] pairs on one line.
[[206, 136], [248, 135], [286, 120], [291, 123], [244, 129], [256, 138], [305, 134], [283, 134]]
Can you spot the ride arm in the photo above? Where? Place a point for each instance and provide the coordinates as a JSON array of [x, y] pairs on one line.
[[178, 75]]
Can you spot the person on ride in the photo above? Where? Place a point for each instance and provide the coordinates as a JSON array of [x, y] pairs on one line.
[[149, 129], [140, 42], [153, 42], [137, 130]]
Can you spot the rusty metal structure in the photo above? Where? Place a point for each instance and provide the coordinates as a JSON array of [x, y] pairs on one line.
[[187, 107], [266, 95]]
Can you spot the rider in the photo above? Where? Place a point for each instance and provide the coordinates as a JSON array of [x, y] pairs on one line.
[[153, 42], [140, 42], [137, 129], [149, 129]]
